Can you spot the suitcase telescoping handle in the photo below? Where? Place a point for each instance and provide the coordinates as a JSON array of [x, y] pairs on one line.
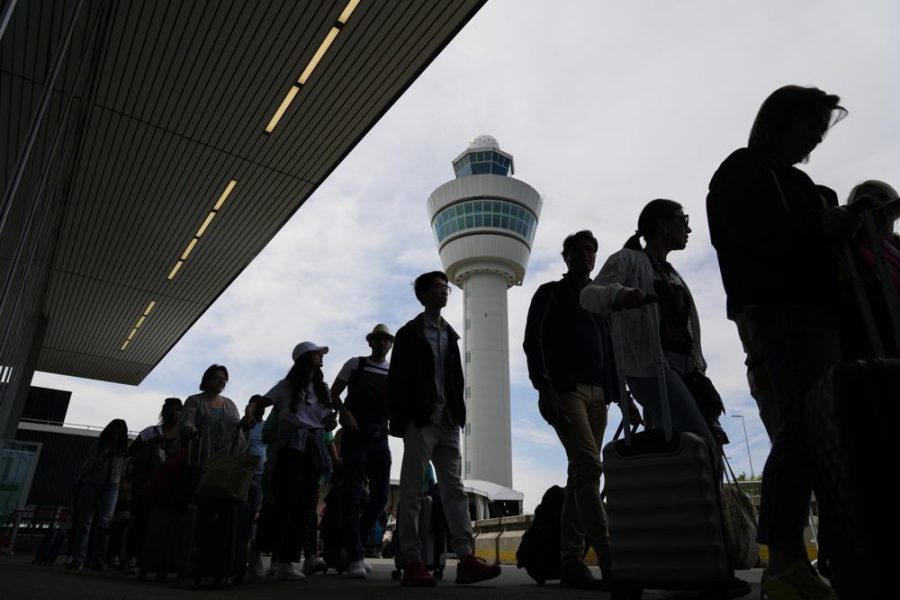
[[651, 305]]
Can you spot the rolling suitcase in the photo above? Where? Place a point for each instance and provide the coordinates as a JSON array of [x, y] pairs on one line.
[[168, 542], [432, 538], [852, 414], [51, 545], [663, 505], [223, 536]]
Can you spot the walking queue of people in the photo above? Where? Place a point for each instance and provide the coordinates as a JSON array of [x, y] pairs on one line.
[[775, 234]]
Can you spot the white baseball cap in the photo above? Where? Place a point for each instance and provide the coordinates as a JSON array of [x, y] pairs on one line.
[[304, 347]]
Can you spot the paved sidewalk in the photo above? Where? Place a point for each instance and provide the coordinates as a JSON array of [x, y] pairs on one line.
[[20, 580]]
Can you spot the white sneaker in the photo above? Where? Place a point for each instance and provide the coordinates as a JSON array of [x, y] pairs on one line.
[[314, 564], [256, 568], [367, 566], [288, 572], [357, 569]]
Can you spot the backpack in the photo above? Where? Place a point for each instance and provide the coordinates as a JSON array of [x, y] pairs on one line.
[[539, 550]]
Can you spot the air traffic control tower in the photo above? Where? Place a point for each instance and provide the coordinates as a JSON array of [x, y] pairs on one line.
[[484, 223]]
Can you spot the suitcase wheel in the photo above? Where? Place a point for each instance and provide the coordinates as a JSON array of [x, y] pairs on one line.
[[438, 574], [541, 581], [396, 574]]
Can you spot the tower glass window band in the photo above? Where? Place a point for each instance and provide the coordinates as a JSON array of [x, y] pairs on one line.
[[484, 213], [482, 163]]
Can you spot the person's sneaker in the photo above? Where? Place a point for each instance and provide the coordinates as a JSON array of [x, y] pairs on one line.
[[577, 576], [356, 569], [472, 569], [416, 575], [796, 582], [256, 568], [288, 572], [314, 564], [367, 566], [737, 588]]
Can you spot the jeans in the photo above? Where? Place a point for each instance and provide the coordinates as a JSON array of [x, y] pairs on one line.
[[686, 416], [801, 344], [100, 498], [440, 445], [580, 427], [365, 454]]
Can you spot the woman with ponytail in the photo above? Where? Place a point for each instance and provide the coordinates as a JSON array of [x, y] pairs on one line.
[[626, 280], [303, 403]]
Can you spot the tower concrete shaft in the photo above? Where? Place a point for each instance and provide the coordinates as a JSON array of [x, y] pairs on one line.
[[487, 446]]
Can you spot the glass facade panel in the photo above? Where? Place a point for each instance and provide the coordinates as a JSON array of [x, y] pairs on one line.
[[490, 213]]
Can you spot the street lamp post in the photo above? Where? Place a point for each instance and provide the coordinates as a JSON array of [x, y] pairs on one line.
[[747, 440]]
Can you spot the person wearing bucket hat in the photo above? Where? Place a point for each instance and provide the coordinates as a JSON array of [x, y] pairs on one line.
[[303, 403], [426, 409], [364, 450]]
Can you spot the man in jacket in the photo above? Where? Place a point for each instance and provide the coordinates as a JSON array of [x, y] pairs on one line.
[[426, 409], [570, 364]]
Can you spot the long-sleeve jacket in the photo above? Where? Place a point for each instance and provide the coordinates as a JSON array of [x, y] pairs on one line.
[[640, 342], [550, 341], [765, 224], [411, 389]]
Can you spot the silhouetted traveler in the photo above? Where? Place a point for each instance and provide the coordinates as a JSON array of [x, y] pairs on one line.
[[426, 409], [211, 415], [147, 454], [364, 447], [627, 278], [304, 410], [772, 231], [570, 364], [98, 491]]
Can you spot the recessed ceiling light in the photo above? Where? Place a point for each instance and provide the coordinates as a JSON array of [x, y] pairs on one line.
[[314, 62], [225, 194], [348, 10], [281, 109], [206, 223], [174, 270], [189, 249]]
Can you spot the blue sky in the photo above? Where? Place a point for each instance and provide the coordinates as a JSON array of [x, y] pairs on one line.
[[604, 105]]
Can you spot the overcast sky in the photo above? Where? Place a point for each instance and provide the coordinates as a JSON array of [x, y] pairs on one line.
[[605, 106]]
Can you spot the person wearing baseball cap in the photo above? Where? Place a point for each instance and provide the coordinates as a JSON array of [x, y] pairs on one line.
[[303, 403], [364, 451]]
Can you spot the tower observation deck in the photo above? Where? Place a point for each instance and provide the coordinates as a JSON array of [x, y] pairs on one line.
[[484, 223]]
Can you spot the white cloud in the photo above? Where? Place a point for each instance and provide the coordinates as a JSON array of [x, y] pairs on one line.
[[605, 105]]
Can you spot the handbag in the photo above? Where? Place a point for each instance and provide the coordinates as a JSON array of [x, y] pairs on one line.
[[739, 524], [705, 395], [228, 477]]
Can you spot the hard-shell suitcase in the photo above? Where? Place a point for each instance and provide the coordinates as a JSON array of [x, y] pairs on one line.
[[168, 542], [51, 545], [223, 535], [852, 415], [663, 506], [432, 538]]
